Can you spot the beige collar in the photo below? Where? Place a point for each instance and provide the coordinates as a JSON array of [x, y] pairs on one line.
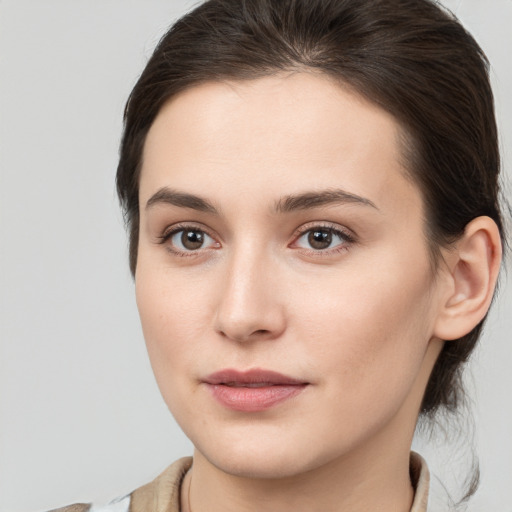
[[420, 478]]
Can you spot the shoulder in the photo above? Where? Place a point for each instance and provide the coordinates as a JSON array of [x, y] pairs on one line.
[[163, 493], [77, 507], [118, 505]]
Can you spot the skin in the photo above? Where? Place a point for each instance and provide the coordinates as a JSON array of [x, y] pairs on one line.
[[357, 321]]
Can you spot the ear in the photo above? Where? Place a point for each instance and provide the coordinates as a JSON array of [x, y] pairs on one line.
[[471, 275]]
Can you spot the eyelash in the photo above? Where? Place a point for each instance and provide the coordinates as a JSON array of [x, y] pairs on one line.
[[346, 236], [177, 228], [347, 239]]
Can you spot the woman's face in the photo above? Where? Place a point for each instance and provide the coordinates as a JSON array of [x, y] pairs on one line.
[[283, 278]]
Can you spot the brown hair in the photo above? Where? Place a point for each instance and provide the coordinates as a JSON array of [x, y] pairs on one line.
[[408, 56]]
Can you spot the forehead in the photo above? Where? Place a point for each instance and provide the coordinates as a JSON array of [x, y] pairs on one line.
[[279, 133]]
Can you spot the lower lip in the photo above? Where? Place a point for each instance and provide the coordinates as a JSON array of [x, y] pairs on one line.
[[254, 399]]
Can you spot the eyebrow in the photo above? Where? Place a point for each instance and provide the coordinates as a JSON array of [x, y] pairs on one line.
[[309, 200], [169, 196], [290, 203]]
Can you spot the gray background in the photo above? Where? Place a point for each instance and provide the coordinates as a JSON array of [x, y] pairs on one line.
[[80, 415]]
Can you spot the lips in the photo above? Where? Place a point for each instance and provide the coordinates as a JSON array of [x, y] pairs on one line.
[[253, 390]]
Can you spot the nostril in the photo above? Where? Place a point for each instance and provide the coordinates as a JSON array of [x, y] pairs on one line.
[[257, 334]]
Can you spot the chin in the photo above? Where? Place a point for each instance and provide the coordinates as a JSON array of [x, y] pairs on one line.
[[263, 455], [262, 465]]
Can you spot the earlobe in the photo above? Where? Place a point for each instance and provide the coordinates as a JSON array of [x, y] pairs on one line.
[[473, 267]]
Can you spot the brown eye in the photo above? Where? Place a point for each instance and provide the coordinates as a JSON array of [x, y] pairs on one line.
[[320, 239], [323, 239], [189, 240], [192, 240]]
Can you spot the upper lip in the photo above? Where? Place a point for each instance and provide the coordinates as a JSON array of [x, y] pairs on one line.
[[254, 376]]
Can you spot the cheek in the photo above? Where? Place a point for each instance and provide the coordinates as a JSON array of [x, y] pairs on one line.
[[369, 328], [173, 319]]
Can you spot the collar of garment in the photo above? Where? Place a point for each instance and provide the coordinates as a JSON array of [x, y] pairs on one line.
[[163, 493]]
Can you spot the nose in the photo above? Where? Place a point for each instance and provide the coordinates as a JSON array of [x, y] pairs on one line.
[[249, 307]]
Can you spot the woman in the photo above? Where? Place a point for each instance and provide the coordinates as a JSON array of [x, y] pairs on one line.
[[311, 190]]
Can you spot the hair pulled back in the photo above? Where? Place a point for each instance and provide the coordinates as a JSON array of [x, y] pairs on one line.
[[410, 57]]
